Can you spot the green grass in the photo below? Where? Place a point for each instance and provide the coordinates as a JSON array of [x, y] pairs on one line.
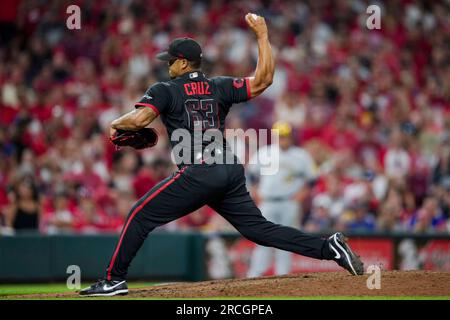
[[247, 298], [292, 298], [9, 291]]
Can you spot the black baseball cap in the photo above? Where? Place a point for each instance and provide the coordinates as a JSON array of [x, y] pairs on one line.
[[182, 48]]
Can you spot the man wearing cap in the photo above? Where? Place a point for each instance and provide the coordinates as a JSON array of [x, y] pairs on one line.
[[281, 194], [192, 103]]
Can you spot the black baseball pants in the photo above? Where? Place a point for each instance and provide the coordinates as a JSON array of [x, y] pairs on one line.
[[222, 187]]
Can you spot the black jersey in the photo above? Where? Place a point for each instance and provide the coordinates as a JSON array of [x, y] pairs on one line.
[[195, 104]]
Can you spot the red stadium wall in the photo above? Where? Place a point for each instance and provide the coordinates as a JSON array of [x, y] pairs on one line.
[[389, 253]]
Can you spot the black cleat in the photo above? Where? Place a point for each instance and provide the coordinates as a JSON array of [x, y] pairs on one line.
[[345, 257], [106, 288]]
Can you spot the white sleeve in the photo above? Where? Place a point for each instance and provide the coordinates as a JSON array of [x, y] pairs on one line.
[[308, 167], [312, 168], [254, 165]]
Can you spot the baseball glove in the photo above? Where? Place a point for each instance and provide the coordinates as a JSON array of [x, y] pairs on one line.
[[141, 139]]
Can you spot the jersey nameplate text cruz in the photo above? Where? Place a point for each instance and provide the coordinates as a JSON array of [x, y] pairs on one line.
[[197, 88]]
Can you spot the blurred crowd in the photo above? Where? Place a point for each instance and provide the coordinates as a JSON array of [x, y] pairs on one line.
[[372, 107]]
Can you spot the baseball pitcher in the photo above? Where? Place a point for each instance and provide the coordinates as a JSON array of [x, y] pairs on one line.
[[194, 103]]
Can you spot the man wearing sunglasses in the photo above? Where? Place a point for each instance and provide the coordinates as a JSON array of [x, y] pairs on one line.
[[194, 103]]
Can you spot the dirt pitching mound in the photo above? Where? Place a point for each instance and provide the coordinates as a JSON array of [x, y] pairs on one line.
[[393, 283]]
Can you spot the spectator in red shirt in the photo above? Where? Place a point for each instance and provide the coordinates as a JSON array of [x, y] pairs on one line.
[[60, 218], [341, 134]]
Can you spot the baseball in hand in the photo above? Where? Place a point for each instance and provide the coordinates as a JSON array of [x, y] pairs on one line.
[[254, 16]]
